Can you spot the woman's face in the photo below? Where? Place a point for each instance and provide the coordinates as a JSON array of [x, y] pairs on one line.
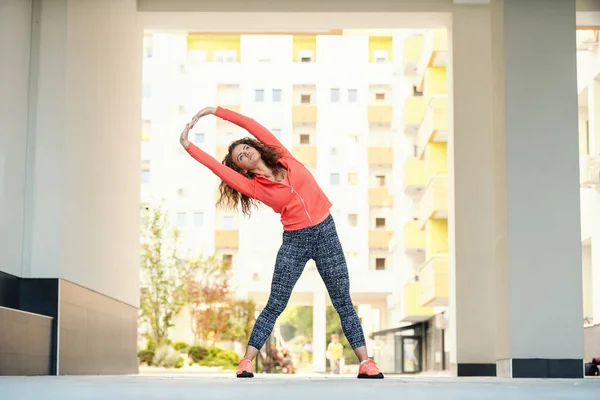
[[245, 156]]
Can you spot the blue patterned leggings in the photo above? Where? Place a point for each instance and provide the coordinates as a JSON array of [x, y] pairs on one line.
[[320, 243]]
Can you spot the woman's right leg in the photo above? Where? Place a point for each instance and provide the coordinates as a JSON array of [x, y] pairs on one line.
[[291, 259]]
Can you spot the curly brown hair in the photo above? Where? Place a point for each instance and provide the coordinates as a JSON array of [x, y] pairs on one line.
[[229, 197]]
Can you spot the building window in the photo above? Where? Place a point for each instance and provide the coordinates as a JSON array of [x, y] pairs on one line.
[[259, 95], [380, 180], [306, 56], [353, 220], [304, 138], [225, 56], [335, 95], [305, 98], [380, 264], [352, 178], [416, 93], [352, 95], [334, 179], [380, 56], [199, 138], [181, 219], [277, 133], [276, 95], [380, 96], [227, 260], [379, 223], [198, 219], [146, 176], [228, 222]]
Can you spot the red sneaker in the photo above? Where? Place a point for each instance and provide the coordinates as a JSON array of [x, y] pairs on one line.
[[369, 370], [245, 368]]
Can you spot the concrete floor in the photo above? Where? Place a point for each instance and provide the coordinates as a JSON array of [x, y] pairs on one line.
[[273, 387]]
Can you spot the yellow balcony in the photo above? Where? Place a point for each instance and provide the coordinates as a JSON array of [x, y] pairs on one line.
[[434, 53], [381, 113], [221, 152], [436, 237], [414, 110], [226, 239], [412, 310], [211, 43], [380, 197], [380, 239], [434, 202], [381, 155], [435, 160], [414, 238], [307, 155], [379, 45], [304, 113], [413, 46], [303, 46], [414, 177], [433, 280], [434, 127]]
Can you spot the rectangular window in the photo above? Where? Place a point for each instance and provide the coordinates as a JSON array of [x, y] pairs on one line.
[[379, 223], [305, 99], [228, 222], [276, 95], [146, 176], [353, 219], [304, 138], [259, 95], [352, 95], [380, 180], [335, 95], [181, 219], [225, 56], [334, 179], [380, 96], [199, 138], [380, 264], [352, 178], [198, 219], [227, 260], [380, 56]]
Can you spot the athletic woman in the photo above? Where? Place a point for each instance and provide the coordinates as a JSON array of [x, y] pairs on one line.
[[264, 170]]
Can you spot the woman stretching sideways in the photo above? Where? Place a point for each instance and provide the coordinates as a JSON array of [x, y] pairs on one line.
[[263, 170]]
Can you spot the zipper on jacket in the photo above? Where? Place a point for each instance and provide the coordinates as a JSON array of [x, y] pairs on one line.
[[302, 200]]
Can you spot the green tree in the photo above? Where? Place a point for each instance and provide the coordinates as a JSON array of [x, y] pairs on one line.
[[241, 320], [164, 274]]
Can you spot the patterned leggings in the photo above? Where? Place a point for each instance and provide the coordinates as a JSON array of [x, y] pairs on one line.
[[320, 243]]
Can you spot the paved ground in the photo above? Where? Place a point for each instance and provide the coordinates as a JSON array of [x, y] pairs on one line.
[[274, 387]]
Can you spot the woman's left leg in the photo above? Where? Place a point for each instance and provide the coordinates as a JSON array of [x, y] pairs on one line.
[[331, 264]]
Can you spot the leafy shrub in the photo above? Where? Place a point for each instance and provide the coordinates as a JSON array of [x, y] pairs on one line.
[[181, 347], [146, 356], [197, 353], [179, 362], [165, 356]]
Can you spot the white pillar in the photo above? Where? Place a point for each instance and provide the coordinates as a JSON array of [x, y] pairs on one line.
[[471, 194], [83, 179], [319, 330], [15, 39], [538, 227], [515, 135]]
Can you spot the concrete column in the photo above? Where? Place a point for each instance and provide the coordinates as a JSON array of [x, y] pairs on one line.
[[83, 176], [15, 39], [319, 331], [595, 260], [536, 171], [514, 227], [471, 238]]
